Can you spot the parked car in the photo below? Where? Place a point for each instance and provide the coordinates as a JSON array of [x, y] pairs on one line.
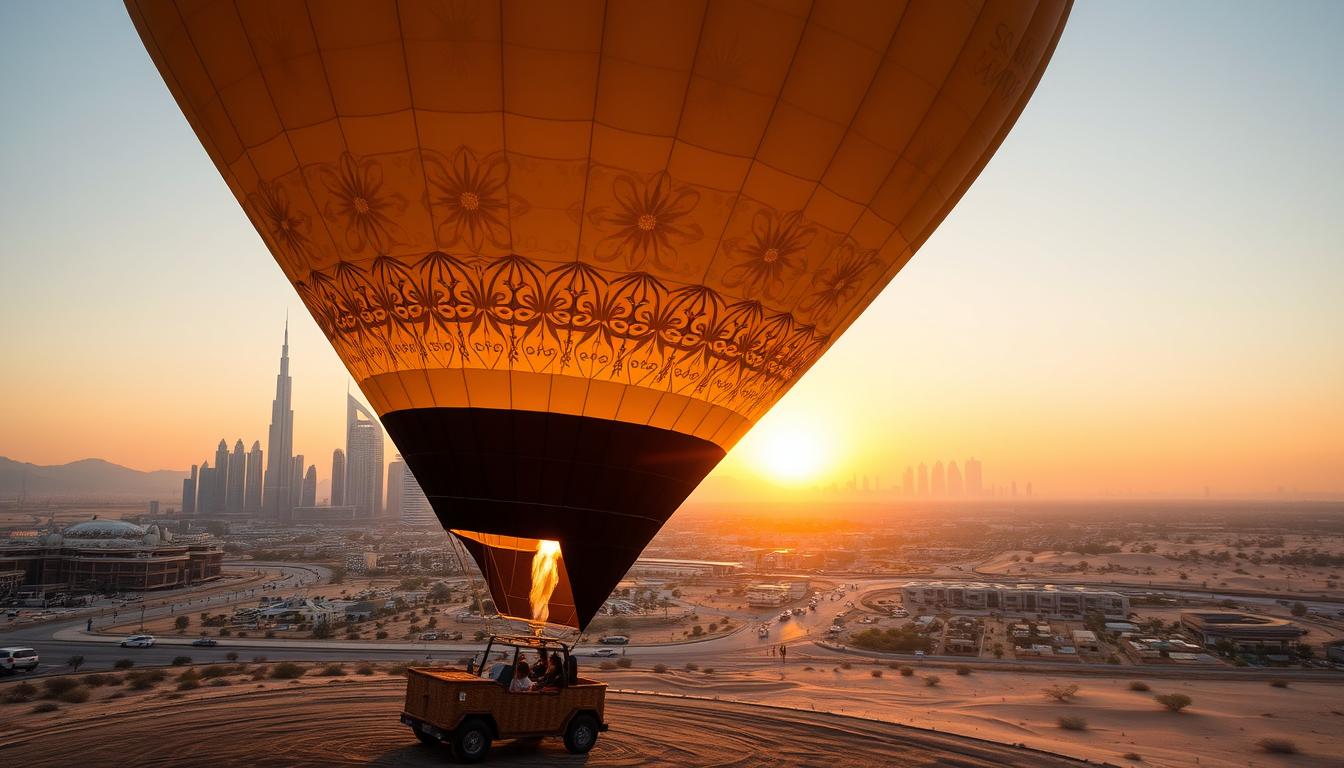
[[451, 636], [203, 642], [15, 659], [138, 641], [429, 636], [614, 640]]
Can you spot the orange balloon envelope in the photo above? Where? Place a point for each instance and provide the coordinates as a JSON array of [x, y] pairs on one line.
[[572, 251]]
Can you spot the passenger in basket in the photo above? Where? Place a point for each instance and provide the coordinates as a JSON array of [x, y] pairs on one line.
[[554, 679], [521, 683]]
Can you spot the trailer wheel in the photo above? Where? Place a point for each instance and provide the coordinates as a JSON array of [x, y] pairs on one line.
[[581, 734], [471, 740], [425, 738]]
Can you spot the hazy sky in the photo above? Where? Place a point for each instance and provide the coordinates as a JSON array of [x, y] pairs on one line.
[[1143, 293]]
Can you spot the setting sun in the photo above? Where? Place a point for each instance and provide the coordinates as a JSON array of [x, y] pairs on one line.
[[788, 451]]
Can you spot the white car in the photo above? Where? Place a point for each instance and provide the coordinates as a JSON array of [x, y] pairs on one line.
[[138, 641], [605, 653], [14, 659]]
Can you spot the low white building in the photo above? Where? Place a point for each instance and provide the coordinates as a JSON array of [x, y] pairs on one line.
[[1049, 599]]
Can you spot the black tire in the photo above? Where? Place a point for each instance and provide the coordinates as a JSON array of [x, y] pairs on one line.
[[425, 738], [581, 734], [471, 741]]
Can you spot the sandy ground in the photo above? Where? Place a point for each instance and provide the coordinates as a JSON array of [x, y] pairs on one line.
[[354, 722]]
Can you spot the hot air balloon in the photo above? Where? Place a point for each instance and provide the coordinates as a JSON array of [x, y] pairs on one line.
[[572, 251]]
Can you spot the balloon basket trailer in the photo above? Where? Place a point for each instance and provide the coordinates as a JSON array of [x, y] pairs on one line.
[[469, 710]]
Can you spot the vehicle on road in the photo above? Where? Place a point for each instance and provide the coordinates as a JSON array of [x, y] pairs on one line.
[[18, 660], [203, 642], [469, 710], [604, 653], [138, 641], [451, 636], [429, 636], [763, 630], [614, 640]]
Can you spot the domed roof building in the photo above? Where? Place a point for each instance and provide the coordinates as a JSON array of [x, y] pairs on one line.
[[104, 555]]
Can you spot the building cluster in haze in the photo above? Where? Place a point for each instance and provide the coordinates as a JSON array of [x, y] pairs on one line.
[[942, 481], [272, 484]]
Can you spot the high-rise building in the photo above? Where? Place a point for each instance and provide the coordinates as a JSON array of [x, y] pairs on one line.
[[189, 492], [974, 482], [923, 479], [236, 483], [364, 460], [220, 488], [296, 481], [939, 480], [415, 508], [309, 497], [954, 486], [908, 482], [277, 493], [395, 469], [252, 495], [205, 490], [338, 478]]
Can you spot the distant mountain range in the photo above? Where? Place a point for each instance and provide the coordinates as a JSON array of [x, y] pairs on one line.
[[87, 479]]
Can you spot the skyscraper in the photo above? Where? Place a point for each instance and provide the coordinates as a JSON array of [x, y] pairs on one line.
[[415, 508], [923, 479], [954, 486], [205, 491], [908, 482], [277, 494], [189, 492], [252, 495], [974, 482], [338, 478], [939, 481], [364, 460], [220, 488], [236, 484], [296, 481], [395, 469], [309, 497]]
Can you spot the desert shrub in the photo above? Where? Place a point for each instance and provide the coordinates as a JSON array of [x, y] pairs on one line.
[[660, 668], [380, 634], [145, 679], [876, 673], [117, 695], [77, 695], [1278, 683], [46, 706], [231, 655], [1174, 701], [1139, 685], [1072, 723], [188, 685], [123, 664], [181, 661], [219, 682], [287, 670], [932, 680], [215, 671], [55, 686], [398, 670], [364, 669], [893, 665], [708, 670], [691, 666], [1060, 692], [607, 665], [96, 680], [259, 674], [1133, 756], [20, 692], [259, 659], [846, 665], [189, 674], [963, 670], [907, 671], [625, 663], [332, 670], [1277, 746]]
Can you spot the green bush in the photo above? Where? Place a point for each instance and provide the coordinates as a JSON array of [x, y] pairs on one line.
[[893, 640], [287, 670], [1174, 701]]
